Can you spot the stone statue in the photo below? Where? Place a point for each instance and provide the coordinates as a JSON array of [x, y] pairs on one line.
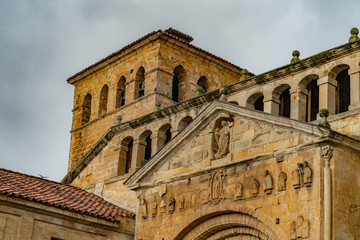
[[240, 191], [282, 181], [222, 137], [154, 207], [162, 206], [217, 191], [299, 227], [255, 187], [307, 174], [182, 203], [171, 205], [296, 178], [143, 208], [293, 230], [268, 182]]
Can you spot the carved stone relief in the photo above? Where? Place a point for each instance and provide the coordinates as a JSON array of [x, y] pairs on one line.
[[240, 191], [162, 206], [182, 203], [300, 229], [217, 191], [143, 208], [296, 176], [268, 182], [307, 175], [171, 205], [222, 137], [302, 176], [255, 187], [154, 207], [282, 181]]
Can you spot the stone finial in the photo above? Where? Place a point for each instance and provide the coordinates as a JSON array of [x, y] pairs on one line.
[[295, 58], [324, 113], [244, 74], [223, 97], [118, 119], [354, 35], [157, 106]]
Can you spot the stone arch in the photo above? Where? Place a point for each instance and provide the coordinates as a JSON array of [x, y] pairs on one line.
[[281, 97], [184, 122], [86, 109], [165, 132], [309, 88], [342, 92], [103, 100], [120, 92], [145, 145], [140, 82], [202, 85], [256, 101], [178, 84], [125, 155], [234, 102], [230, 220]]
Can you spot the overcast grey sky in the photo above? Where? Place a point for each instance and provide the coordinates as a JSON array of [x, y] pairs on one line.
[[44, 42]]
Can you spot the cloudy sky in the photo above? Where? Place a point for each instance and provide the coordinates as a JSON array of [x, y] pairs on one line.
[[44, 42]]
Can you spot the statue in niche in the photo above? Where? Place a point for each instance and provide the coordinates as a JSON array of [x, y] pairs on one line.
[[307, 174], [162, 206], [255, 187], [240, 191], [293, 231], [299, 226], [282, 181], [296, 174], [154, 207], [222, 137], [306, 229], [171, 205], [182, 203], [268, 182], [143, 208], [217, 191]]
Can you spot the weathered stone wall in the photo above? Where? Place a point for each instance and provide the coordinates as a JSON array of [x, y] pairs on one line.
[[346, 197], [38, 222]]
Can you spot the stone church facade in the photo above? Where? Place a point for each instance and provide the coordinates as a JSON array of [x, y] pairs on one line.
[[199, 148]]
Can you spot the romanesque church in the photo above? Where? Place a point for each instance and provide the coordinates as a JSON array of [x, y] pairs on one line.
[[170, 142]]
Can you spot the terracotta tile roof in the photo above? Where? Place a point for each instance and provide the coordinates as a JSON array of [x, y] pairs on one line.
[[51, 193], [173, 33]]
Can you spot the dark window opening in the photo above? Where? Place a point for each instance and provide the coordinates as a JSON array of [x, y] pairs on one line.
[[202, 82], [312, 101], [285, 103], [129, 156], [141, 89], [120, 94], [259, 104], [343, 91], [103, 101], [167, 135], [175, 88], [86, 109], [148, 148]]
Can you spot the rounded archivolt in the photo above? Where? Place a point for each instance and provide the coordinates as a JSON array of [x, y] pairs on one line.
[[227, 225]]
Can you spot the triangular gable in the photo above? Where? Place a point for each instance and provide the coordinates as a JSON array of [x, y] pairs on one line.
[[211, 113]]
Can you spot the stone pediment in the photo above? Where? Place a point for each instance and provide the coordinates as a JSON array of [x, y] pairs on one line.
[[226, 134]]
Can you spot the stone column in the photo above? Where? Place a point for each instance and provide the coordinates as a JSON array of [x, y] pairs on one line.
[[327, 93], [298, 104], [354, 88], [156, 143], [271, 106], [138, 153], [326, 154]]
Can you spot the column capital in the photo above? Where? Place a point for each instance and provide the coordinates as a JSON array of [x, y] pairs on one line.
[[327, 80]]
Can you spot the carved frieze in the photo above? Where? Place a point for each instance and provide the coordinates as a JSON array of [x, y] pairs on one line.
[[239, 191], [300, 229], [268, 182], [255, 187], [182, 203], [307, 174], [162, 206], [302, 176], [154, 206], [217, 191], [171, 205], [282, 181]]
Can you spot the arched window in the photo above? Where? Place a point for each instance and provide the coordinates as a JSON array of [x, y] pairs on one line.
[[103, 100], [120, 92], [285, 103], [202, 82], [256, 101], [312, 100], [145, 146], [140, 82], [183, 122], [342, 91], [178, 82], [164, 135], [86, 109], [125, 156], [259, 103]]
